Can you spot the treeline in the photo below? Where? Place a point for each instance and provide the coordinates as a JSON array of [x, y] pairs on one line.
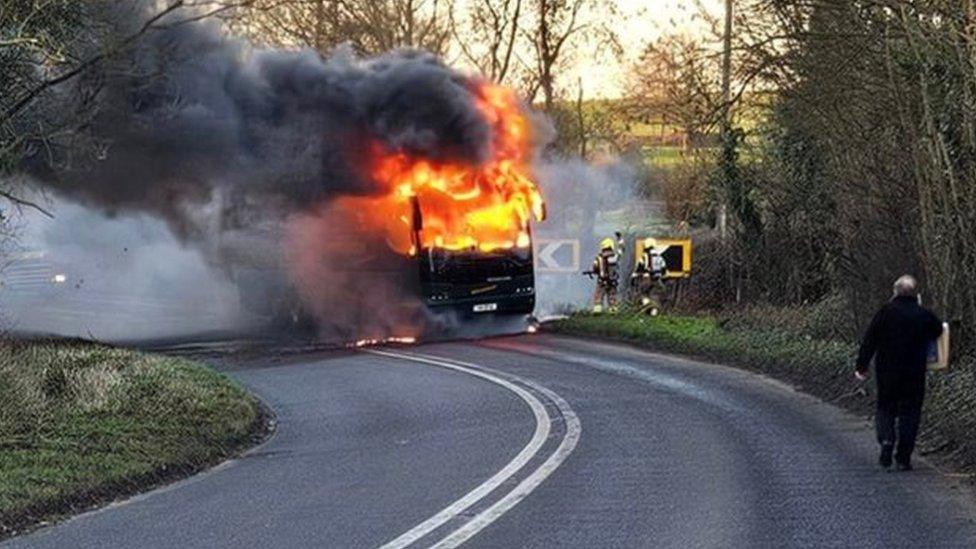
[[862, 165]]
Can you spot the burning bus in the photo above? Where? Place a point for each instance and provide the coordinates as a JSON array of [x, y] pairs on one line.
[[449, 234], [473, 279], [466, 226]]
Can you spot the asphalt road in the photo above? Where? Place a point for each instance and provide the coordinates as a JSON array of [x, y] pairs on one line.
[[536, 442]]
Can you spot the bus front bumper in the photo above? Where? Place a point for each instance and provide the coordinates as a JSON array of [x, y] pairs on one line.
[[486, 305]]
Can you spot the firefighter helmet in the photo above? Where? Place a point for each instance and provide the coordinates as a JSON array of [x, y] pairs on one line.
[[607, 244]]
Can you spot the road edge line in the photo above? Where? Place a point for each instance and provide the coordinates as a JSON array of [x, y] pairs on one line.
[[574, 429], [530, 450]]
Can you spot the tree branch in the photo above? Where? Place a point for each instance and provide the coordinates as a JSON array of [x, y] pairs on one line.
[[21, 202], [32, 94]]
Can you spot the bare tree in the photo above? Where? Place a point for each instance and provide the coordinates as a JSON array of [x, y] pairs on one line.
[[51, 58], [556, 21], [557, 28], [309, 23], [591, 128], [370, 26], [383, 25], [488, 34], [677, 83]]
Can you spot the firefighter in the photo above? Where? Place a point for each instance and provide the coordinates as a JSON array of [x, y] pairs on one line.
[[651, 262], [605, 268], [648, 277]]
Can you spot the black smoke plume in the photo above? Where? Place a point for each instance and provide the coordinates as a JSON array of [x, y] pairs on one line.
[[240, 150], [191, 116]]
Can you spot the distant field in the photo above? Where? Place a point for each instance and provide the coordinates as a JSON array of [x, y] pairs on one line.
[[85, 423], [663, 156]]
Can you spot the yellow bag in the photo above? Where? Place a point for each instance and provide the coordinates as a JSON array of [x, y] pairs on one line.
[[938, 357]]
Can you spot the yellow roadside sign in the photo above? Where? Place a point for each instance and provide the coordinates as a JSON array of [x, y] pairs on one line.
[[677, 254]]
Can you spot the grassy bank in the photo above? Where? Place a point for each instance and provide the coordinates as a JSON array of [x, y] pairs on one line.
[[822, 367], [82, 424]]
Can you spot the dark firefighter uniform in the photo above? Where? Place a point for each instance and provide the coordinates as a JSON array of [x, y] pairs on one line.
[[898, 340], [648, 277], [605, 267]]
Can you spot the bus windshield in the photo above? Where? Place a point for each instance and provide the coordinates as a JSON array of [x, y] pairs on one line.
[[473, 266]]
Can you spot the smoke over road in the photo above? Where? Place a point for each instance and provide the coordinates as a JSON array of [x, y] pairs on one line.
[[118, 278], [588, 202]]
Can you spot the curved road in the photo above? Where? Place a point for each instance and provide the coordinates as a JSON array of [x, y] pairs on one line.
[[536, 442]]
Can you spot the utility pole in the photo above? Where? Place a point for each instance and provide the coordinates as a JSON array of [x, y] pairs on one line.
[[726, 111]]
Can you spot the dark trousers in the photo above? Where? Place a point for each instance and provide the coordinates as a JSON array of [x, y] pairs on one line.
[[900, 400]]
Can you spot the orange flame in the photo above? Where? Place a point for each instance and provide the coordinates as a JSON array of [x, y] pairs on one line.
[[464, 206], [402, 340]]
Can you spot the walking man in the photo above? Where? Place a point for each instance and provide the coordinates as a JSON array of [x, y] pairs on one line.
[[898, 340]]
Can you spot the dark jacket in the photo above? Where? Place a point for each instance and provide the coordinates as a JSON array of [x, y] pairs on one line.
[[898, 338]]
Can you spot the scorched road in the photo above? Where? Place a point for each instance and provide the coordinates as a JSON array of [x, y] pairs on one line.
[[536, 442]]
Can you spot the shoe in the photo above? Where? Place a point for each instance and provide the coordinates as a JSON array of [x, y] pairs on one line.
[[905, 466], [884, 460]]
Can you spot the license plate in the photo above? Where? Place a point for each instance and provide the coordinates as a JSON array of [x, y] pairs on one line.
[[485, 307]]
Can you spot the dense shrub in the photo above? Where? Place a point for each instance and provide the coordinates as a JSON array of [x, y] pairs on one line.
[[828, 319]]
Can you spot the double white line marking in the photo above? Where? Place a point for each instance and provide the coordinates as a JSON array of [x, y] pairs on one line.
[[529, 483]]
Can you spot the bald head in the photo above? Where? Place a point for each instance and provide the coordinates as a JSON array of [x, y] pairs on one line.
[[906, 286]]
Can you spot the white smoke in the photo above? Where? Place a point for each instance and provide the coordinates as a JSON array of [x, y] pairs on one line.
[[122, 278], [587, 202]]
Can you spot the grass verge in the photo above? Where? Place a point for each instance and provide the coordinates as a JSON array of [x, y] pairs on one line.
[[82, 424], [821, 367]]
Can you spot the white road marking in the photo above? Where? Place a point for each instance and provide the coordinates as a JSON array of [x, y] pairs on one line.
[[531, 482], [543, 425]]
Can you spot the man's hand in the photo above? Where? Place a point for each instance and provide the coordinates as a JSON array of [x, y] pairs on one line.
[[860, 376]]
